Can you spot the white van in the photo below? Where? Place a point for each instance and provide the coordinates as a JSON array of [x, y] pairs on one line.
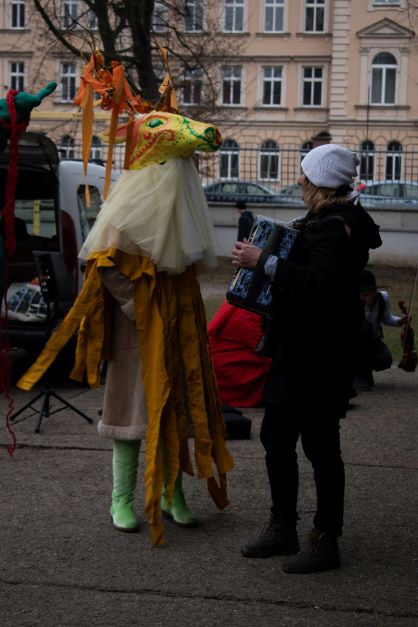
[[50, 215]]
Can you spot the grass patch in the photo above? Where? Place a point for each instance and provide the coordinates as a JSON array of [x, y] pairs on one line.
[[398, 281]]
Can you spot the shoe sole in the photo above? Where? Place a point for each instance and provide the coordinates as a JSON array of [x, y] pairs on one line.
[[125, 529], [292, 550], [169, 516], [307, 571]]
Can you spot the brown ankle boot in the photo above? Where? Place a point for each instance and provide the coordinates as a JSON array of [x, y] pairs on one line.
[[277, 537], [321, 554]]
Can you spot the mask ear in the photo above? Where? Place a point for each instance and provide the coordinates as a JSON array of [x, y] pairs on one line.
[[121, 133]]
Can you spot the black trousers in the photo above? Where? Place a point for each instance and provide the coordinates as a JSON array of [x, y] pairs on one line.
[[320, 439]]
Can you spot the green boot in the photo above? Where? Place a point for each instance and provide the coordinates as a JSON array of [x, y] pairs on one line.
[[178, 510], [125, 468]]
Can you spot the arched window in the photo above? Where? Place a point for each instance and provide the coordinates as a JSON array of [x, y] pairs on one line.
[[383, 79], [66, 147], [367, 153], [394, 161], [269, 161], [96, 148], [229, 159], [305, 148]]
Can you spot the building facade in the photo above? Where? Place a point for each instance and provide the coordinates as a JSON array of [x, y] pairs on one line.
[[292, 69]]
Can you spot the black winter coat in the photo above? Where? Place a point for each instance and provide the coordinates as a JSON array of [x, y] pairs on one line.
[[316, 313]]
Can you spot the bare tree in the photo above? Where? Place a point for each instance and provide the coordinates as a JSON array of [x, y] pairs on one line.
[[131, 31]]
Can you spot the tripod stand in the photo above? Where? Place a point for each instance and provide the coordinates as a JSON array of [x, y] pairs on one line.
[[58, 296]]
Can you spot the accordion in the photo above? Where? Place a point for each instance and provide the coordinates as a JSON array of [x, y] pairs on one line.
[[251, 289]]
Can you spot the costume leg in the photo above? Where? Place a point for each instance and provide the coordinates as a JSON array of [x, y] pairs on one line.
[[125, 469], [178, 510]]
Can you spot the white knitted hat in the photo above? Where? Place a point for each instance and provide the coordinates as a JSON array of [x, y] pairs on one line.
[[330, 166]]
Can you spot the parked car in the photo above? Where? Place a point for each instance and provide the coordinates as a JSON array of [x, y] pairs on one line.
[[291, 195], [232, 191], [51, 216], [389, 195]]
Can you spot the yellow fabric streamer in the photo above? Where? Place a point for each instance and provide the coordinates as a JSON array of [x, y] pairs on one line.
[[172, 336]]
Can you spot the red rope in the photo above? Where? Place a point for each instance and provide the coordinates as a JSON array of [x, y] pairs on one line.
[[15, 129]]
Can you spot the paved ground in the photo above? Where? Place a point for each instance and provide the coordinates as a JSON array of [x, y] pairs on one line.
[[63, 564]]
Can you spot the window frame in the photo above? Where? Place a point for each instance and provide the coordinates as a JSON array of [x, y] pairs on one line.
[[193, 19], [229, 151], [315, 6], [273, 82], [70, 77], [232, 80], [313, 81], [68, 16], [384, 68], [236, 7], [270, 154], [159, 17], [394, 161], [367, 154], [66, 147], [276, 7], [194, 80], [17, 75], [18, 14]]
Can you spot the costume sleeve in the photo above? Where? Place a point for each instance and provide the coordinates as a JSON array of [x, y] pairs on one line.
[[121, 288], [388, 317], [328, 266]]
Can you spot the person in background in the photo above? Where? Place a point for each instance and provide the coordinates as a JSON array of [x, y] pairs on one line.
[[245, 222], [241, 371], [373, 354], [314, 324]]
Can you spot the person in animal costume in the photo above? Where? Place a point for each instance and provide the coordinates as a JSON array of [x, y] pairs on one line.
[[141, 310]]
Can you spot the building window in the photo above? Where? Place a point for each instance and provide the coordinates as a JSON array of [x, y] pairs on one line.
[[383, 79], [269, 161], [367, 153], [68, 14], [233, 16], [18, 14], [314, 16], [68, 78], [273, 16], [66, 147], [305, 148], [96, 149], [192, 87], [229, 160], [272, 85], [159, 17], [312, 86], [17, 75], [92, 20], [394, 161], [193, 20], [231, 85]]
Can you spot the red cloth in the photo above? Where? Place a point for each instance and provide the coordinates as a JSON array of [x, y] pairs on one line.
[[240, 372]]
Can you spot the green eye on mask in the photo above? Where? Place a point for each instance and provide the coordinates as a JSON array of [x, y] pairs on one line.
[[154, 123]]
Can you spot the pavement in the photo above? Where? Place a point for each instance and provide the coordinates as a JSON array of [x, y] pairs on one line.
[[62, 563]]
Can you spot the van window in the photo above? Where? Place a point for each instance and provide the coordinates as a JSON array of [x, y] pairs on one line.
[[38, 217], [88, 214]]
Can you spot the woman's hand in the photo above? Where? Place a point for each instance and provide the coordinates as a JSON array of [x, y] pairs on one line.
[[245, 255]]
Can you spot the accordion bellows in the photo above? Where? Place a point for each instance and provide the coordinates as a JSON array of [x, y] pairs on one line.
[[251, 289]]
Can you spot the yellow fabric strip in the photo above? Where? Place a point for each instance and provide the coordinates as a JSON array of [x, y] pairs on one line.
[[178, 379]]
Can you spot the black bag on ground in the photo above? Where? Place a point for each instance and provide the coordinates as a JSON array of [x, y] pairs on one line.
[[238, 426]]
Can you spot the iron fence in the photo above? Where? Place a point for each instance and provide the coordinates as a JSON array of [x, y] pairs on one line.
[[276, 168]]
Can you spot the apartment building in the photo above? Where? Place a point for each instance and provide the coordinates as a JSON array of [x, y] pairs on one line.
[[346, 69]]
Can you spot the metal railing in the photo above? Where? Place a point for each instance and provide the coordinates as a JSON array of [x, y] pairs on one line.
[[277, 168]]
